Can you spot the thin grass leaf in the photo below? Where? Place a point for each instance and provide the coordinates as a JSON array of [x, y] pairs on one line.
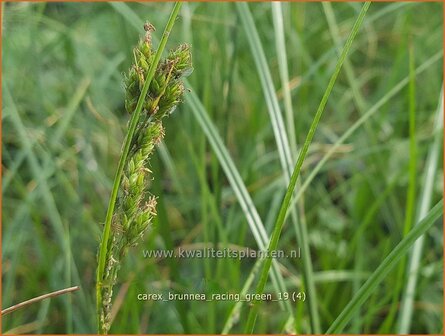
[[290, 190], [361, 106], [268, 88], [411, 194], [298, 225], [385, 267], [284, 73], [253, 219], [406, 310], [284, 149]]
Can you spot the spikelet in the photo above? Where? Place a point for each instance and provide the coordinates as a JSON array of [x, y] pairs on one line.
[[135, 207]]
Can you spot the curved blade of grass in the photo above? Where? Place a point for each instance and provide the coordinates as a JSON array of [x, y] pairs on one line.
[[255, 223], [385, 267], [411, 194], [268, 88], [277, 15], [125, 149], [299, 225], [284, 148], [406, 311], [287, 198]]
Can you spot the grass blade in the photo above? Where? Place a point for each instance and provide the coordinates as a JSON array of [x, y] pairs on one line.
[[268, 88], [284, 73], [284, 148], [287, 198], [425, 201], [411, 194], [385, 267], [255, 223]]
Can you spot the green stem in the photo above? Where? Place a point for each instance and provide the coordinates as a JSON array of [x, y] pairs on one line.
[[287, 198], [126, 147]]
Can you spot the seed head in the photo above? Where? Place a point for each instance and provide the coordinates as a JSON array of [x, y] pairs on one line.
[[135, 207]]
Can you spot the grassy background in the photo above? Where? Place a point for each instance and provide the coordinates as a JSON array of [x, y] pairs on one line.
[[63, 123]]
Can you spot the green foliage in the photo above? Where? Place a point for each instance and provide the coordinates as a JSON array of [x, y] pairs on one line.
[[218, 175]]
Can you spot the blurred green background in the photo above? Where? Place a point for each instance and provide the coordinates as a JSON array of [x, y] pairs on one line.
[[63, 122]]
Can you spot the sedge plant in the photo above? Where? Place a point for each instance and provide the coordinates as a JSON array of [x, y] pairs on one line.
[[153, 89]]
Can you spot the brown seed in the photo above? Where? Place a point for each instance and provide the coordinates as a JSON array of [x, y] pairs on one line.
[[148, 27]]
